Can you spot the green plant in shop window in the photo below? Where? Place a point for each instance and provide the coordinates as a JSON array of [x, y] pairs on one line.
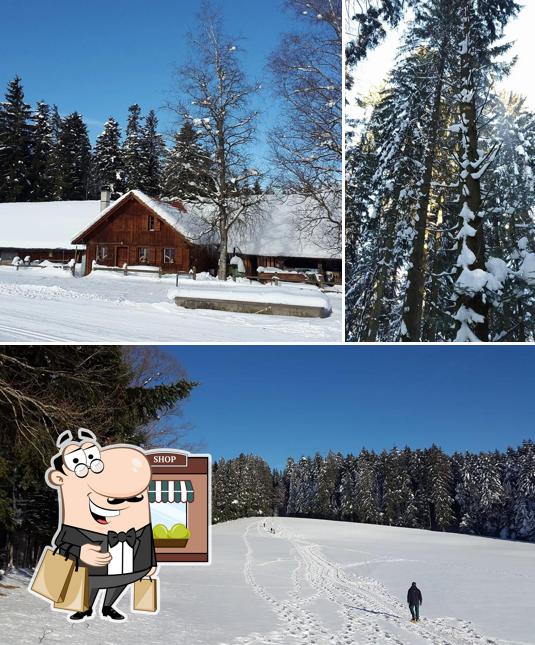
[[177, 536]]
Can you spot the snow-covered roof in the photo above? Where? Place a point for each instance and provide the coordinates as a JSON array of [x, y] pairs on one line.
[[180, 221], [274, 232], [43, 225]]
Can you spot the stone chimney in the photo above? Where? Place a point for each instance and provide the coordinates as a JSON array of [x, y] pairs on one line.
[[105, 197]]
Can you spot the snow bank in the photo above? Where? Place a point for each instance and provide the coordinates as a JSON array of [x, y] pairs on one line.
[[109, 307], [252, 293]]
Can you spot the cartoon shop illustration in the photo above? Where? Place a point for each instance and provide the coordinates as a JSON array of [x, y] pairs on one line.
[[122, 512]]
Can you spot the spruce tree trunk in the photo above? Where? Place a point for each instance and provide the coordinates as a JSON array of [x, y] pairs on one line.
[[414, 298], [429, 332], [473, 302], [383, 273]]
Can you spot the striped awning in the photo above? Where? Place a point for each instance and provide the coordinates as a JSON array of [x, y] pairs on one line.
[[163, 490]]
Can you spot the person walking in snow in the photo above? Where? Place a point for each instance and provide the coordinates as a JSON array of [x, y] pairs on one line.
[[414, 600]]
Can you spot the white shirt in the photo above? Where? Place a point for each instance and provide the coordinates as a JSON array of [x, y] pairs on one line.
[[122, 559]]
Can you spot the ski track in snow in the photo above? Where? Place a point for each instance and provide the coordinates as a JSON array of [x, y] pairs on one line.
[[265, 589], [92, 310], [350, 595]]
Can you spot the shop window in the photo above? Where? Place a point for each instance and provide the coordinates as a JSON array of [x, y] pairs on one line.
[[169, 501], [179, 493]]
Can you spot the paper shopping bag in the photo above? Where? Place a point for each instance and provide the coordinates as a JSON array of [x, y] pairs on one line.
[[76, 596], [146, 595], [53, 575]]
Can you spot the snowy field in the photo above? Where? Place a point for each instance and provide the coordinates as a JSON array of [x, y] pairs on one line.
[[50, 305], [315, 582]]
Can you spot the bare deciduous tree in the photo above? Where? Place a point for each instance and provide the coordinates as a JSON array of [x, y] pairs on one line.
[[307, 146], [214, 95]]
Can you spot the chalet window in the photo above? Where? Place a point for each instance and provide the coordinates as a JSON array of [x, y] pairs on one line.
[[102, 253], [153, 223], [143, 255], [169, 256]]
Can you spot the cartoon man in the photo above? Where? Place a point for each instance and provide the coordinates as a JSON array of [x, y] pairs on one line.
[[104, 515]]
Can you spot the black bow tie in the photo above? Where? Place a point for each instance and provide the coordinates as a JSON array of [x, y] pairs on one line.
[[129, 537]]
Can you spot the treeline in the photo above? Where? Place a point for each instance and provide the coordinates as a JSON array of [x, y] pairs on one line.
[[488, 493], [440, 187], [45, 390], [45, 156]]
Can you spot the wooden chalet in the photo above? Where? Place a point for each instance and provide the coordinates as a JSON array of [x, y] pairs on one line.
[[142, 231], [138, 230]]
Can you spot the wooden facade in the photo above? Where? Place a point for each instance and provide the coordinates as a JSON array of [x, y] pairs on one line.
[[252, 262], [133, 234]]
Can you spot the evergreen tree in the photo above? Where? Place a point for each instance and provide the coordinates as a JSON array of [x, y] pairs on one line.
[[74, 158], [45, 390], [186, 172], [107, 161], [43, 171], [153, 149], [134, 158], [426, 212], [439, 480], [368, 491], [524, 500], [15, 145]]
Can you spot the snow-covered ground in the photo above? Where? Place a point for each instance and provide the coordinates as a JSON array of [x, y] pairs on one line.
[[315, 582], [40, 305]]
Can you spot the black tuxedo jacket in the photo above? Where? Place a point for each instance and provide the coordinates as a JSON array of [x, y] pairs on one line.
[[70, 539]]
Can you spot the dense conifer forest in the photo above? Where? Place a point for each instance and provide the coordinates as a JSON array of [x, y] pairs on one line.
[[440, 180], [489, 493]]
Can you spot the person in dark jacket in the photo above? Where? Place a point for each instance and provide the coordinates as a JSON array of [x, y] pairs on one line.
[[414, 600]]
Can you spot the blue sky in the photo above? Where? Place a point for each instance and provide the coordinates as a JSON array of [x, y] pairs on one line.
[[288, 401], [99, 57]]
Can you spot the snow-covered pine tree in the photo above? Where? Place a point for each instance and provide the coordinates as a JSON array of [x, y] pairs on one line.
[[420, 286], [524, 500], [43, 171], [480, 494], [153, 149], [15, 145], [432, 31], [399, 507], [510, 228], [368, 22], [108, 169], [74, 158], [133, 152], [481, 26], [368, 489], [327, 473], [186, 172], [439, 485], [347, 489], [380, 203]]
